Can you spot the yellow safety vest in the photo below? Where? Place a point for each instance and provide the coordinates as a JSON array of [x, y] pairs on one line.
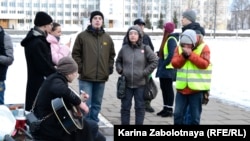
[[165, 52], [193, 77]]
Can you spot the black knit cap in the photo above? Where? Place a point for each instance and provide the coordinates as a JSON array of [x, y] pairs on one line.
[[139, 22], [42, 18], [94, 13]]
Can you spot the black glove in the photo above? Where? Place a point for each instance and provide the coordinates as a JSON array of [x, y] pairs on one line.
[[110, 70]]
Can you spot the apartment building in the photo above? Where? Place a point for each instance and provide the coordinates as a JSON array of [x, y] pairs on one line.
[[19, 14]]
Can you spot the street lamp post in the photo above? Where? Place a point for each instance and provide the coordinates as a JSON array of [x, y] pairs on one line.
[[215, 13]]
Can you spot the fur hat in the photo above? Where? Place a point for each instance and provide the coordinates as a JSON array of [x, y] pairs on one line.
[[42, 18], [67, 65], [188, 37], [169, 27], [190, 15], [94, 13], [139, 22]]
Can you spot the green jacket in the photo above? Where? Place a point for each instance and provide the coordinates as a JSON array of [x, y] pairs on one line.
[[94, 53]]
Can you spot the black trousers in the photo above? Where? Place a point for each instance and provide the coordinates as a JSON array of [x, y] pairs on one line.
[[166, 85]]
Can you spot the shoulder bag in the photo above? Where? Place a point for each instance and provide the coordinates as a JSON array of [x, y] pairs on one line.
[[151, 90], [121, 87]]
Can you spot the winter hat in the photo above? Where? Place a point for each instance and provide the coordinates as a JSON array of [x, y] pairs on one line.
[[139, 22], [94, 13], [67, 65], [190, 15], [42, 18], [136, 28], [188, 37], [169, 27]]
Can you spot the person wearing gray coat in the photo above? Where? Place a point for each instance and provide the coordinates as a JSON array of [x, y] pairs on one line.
[[136, 61]]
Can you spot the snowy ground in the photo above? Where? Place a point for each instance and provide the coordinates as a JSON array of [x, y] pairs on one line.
[[229, 56]]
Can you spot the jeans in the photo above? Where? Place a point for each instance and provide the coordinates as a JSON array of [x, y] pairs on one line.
[[126, 104], [187, 117], [95, 91], [2, 89], [182, 102]]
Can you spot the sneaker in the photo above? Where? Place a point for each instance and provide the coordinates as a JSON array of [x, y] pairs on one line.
[[160, 113], [167, 114], [149, 109]]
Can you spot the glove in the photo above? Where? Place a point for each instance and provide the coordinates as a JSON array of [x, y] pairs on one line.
[[110, 70]]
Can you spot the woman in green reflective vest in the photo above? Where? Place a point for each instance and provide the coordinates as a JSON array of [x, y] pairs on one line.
[[165, 70]]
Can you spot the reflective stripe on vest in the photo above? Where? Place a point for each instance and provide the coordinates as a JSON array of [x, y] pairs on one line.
[[193, 77], [165, 52]]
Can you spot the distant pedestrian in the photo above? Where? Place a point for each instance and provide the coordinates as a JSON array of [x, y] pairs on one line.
[[147, 41], [6, 59], [94, 53], [136, 61], [189, 21], [58, 50], [38, 56], [165, 70], [193, 77]]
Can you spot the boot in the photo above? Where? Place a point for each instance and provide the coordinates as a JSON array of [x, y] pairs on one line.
[[167, 113], [161, 112], [148, 107]]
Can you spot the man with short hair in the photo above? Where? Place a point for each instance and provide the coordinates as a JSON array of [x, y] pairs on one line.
[[94, 53], [38, 56], [6, 59]]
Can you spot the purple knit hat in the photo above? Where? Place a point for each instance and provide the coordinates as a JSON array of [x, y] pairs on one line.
[[169, 27]]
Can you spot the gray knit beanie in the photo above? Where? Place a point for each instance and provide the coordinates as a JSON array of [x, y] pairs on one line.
[[188, 37], [190, 15], [67, 65]]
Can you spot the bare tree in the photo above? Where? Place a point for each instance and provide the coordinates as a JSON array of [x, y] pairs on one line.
[[239, 13]]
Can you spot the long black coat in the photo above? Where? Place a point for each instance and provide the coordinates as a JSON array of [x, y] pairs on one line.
[[39, 63]]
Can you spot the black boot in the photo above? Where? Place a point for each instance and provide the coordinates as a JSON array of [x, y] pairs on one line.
[[148, 107], [162, 111], [167, 113]]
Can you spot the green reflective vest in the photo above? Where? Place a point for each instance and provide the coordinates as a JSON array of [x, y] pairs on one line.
[[193, 77], [165, 51]]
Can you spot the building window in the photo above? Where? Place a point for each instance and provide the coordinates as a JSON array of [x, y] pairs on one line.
[[4, 4], [75, 21], [67, 5], [75, 6], [12, 4], [36, 4], [68, 22], [20, 4], [20, 21], [67, 14], [44, 5], [135, 15]]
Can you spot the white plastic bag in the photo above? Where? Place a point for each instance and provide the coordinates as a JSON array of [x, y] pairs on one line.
[[8, 121]]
